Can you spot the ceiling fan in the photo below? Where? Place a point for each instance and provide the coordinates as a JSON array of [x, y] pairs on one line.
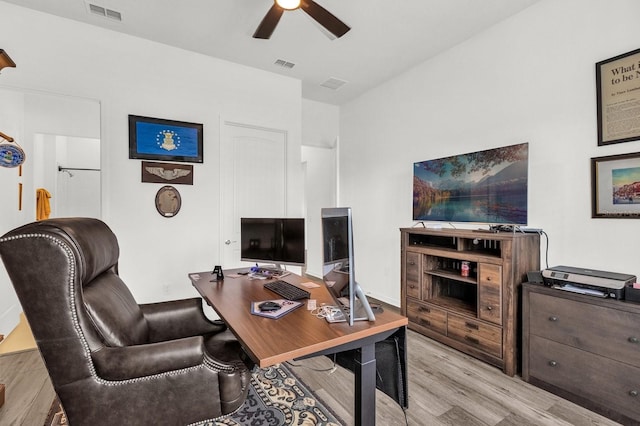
[[325, 18]]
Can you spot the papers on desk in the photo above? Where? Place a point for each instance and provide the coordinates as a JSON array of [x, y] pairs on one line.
[[258, 276], [233, 275], [286, 306]]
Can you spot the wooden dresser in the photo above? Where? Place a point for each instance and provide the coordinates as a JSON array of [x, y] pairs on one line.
[[461, 287], [583, 348]]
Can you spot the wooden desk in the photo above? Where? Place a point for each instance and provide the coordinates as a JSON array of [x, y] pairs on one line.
[[298, 334]]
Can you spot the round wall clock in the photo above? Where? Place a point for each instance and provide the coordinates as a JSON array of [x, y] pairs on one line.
[[168, 201], [11, 154]]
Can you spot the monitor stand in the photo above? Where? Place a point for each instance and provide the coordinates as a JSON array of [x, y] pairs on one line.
[[362, 311], [273, 270]]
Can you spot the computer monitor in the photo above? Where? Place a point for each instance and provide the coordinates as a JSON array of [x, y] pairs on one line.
[[338, 267], [279, 241]]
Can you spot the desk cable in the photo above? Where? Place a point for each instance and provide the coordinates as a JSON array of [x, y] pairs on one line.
[[320, 370], [325, 311], [321, 313]]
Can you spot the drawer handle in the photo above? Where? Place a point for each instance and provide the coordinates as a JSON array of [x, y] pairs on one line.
[[553, 319], [425, 322], [488, 278], [489, 308], [470, 325], [552, 363], [633, 393], [472, 340], [413, 286], [423, 309], [634, 339], [412, 263]]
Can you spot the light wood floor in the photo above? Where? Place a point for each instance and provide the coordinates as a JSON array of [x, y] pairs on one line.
[[28, 393], [446, 387], [449, 388], [19, 339]]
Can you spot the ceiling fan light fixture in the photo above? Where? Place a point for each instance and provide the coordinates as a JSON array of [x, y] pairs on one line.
[[288, 4], [322, 16], [5, 60]]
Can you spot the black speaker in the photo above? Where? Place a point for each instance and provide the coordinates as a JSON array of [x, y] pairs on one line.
[[535, 277]]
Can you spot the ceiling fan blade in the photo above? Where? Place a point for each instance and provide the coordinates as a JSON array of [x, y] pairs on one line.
[[325, 18], [269, 22]]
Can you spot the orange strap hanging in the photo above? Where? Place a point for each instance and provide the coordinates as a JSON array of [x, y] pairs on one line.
[[43, 208]]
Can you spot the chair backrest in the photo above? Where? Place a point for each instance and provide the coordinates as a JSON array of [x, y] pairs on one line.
[[64, 272]]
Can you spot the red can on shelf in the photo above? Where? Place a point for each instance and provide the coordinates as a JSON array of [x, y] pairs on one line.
[[464, 269]]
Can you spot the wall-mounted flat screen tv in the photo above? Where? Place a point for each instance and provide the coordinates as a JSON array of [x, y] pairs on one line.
[[480, 187]]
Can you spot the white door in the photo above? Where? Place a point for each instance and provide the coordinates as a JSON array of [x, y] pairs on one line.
[[253, 176]]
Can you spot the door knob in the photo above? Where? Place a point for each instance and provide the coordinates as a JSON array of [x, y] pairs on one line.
[[227, 242]]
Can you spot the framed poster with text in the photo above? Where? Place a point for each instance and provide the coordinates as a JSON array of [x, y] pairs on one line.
[[618, 97]]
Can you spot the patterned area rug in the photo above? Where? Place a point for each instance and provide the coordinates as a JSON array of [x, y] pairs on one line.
[[276, 397]]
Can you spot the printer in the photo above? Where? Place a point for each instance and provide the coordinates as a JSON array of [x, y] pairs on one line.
[[587, 281]]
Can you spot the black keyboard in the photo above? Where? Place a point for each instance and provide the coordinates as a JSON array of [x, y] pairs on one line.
[[286, 290]]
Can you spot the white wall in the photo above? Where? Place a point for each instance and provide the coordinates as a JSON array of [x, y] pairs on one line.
[[529, 79], [320, 129], [128, 75], [23, 114], [11, 124], [320, 190]]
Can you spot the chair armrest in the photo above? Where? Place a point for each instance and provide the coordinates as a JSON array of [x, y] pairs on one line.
[[177, 319], [130, 362]]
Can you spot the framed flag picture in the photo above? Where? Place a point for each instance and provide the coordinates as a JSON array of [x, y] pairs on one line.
[[164, 140]]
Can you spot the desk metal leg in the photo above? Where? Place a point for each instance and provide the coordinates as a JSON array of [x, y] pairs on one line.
[[365, 381]]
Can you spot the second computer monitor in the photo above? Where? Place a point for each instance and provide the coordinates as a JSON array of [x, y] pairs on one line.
[[339, 269], [280, 241]]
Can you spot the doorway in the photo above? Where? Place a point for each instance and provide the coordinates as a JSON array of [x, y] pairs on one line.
[[253, 177], [69, 168]]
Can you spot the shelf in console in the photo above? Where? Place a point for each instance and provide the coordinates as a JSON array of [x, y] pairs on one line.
[[457, 305], [463, 243], [452, 276]]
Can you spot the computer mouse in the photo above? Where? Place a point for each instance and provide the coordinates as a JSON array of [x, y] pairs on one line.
[[269, 306]]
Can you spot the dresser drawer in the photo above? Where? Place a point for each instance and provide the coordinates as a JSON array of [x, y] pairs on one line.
[[427, 316], [605, 381], [490, 293], [609, 332], [412, 271], [474, 333]]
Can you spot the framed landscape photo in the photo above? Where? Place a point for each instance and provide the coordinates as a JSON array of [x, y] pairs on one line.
[[616, 186], [164, 140], [618, 98]]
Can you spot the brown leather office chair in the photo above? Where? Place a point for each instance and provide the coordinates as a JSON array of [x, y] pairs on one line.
[[111, 360]]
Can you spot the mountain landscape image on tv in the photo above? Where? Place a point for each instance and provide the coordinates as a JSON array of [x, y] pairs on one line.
[[481, 187]]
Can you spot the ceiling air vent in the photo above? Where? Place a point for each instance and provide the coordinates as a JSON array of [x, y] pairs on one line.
[[104, 12], [284, 64], [333, 83]]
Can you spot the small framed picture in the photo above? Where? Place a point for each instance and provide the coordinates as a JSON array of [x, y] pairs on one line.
[[168, 201], [164, 140], [615, 183]]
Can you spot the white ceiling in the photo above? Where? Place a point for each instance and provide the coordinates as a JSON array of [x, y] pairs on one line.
[[387, 37]]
